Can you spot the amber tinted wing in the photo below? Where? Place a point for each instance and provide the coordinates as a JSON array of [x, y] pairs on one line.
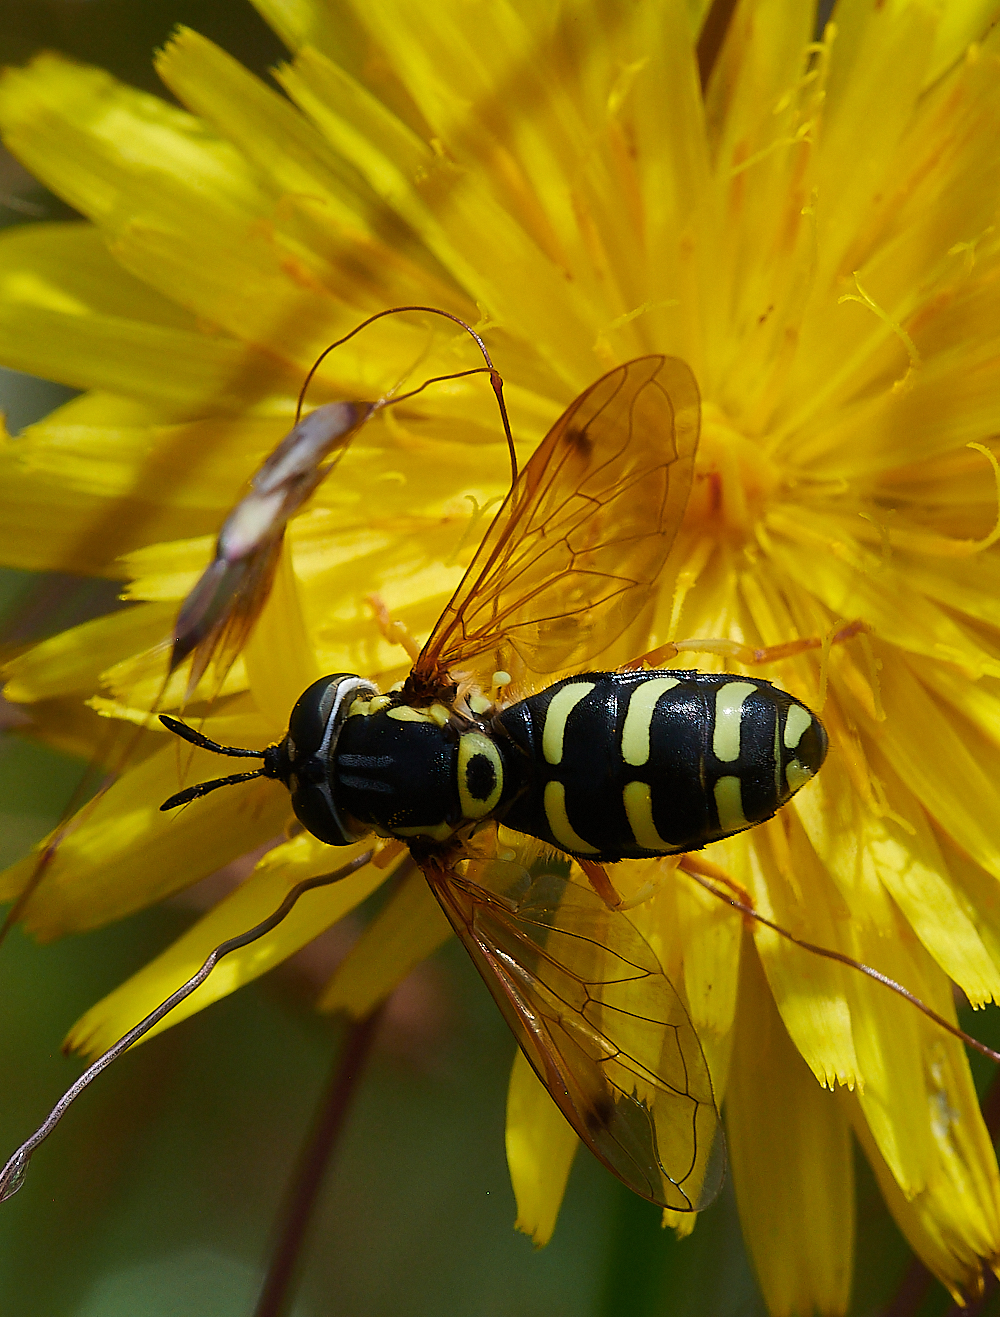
[[573, 554], [601, 1025]]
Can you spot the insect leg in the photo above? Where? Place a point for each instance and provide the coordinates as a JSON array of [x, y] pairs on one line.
[[695, 869], [745, 654], [598, 878], [396, 633]]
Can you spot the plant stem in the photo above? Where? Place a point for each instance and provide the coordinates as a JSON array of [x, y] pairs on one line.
[[307, 1179]]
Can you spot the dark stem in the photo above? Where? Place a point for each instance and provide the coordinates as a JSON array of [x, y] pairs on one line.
[[300, 1199]]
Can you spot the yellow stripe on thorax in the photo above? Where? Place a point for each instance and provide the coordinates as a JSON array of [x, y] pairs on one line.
[[470, 745]]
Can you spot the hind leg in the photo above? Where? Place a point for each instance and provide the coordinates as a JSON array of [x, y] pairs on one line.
[[744, 654]]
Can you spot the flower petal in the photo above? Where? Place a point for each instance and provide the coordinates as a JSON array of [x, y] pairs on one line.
[[541, 1145], [57, 278], [813, 1005], [789, 1145], [122, 852], [409, 928], [952, 1223], [280, 659], [259, 896], [72, 661]]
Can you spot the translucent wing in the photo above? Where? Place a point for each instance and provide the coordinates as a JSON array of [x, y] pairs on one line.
[[219, 613], [573, 554], [600, 1024]]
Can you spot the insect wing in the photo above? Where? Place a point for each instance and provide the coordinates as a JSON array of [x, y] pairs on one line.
[[574, 552], [602, 1027], [218, 614]]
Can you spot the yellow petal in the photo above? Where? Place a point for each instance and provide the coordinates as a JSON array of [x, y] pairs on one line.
[[895, 849], [790, 1150], [811, 996], [258, 897], [892, 1039], [326, 205], [280, 659], [70, 312], [904, 854], [952, 1223], [858, 584], [541, 1146], [72, 661], [712, 944], [409, 928], [122, 853], [100, 486], [389, 156], [954, 775]]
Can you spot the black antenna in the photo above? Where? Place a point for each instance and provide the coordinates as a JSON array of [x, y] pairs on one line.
[[203, 788], [12, 1174], [269, 768], [196, 738]]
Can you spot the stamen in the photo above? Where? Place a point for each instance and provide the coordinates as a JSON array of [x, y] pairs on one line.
[[977, 546], [897, 329]]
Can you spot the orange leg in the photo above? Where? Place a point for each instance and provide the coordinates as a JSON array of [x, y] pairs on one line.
[[745, 654], [697, 867], [598, 878], [387, 853], [395, 632]]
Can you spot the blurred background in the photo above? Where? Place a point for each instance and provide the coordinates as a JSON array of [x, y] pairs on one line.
[[160, 1191]]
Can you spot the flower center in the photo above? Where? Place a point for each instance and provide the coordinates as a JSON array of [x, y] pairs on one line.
[[734, 479]]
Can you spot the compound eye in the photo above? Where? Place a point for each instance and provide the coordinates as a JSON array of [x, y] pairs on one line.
[[313, 805], [308, 722], [313, 730]]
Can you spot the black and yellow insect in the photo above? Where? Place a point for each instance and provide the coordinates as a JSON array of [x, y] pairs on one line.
[[600, 765]]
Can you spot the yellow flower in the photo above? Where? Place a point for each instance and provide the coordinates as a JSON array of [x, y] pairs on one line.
[[817, 235]]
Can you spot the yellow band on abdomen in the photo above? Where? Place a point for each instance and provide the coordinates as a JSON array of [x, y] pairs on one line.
[[639, 718], [638, 798], [560, 707], [729, 804], [554, 801]]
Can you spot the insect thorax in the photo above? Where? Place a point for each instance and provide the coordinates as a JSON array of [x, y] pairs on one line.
[[410, 772]]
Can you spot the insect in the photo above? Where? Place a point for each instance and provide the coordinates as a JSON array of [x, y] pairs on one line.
[[598, 766], [601, 766]]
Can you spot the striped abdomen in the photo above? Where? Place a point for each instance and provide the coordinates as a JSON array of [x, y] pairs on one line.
[[628, 765]]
